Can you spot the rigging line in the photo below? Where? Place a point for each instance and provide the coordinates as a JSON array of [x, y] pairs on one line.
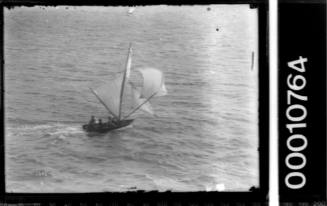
[[123, 82], [100, 100], [137, 108], [81, 94]]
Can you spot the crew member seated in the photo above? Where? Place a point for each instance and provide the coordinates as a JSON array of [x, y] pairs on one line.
[[109, 121], [115, 120], [92, 121]]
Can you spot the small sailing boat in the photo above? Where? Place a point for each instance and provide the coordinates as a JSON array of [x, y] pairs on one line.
[[111, 96]]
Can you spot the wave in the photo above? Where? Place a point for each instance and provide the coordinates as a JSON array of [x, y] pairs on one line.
[[201, 128]]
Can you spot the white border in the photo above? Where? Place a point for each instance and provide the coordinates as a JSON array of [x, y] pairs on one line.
[[273, 102]]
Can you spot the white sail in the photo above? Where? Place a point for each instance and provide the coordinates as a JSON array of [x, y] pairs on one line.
[[125, 78], [153, 83], [129, 62], [138, 101], [110, 93]]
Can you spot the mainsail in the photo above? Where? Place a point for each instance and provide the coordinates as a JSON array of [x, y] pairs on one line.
[[111, 94], [125, 77]]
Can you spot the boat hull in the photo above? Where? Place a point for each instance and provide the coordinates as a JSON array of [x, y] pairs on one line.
[[104, 127]]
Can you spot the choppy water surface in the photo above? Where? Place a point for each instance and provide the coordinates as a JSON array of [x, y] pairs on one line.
[[205, 134]]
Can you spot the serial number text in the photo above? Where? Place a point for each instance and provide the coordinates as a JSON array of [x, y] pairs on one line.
[[296, 114]]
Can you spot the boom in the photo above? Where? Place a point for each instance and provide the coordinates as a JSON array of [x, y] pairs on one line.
[[137, 108]]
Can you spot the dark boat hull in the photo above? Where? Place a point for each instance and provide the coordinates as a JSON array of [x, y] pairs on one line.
[[104, 127]]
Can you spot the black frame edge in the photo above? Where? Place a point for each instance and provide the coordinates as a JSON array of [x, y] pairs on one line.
[[259, 195]]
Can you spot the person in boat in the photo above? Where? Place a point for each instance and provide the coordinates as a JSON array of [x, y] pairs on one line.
[[96, 121], [92, 121], [110, 123], [115, 120]]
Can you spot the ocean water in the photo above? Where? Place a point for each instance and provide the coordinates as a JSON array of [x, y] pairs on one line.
[[204, 136]]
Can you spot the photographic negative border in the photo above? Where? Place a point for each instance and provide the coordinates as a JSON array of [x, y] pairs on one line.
[[302, 101], [254, 195]]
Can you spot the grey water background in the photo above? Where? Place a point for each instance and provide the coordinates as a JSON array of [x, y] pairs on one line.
[[204, 136]]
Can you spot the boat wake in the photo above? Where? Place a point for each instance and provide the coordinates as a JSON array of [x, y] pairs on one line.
[[59, 131]]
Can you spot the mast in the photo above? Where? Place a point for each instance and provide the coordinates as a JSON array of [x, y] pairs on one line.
[[100, 100], [127, 71]]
